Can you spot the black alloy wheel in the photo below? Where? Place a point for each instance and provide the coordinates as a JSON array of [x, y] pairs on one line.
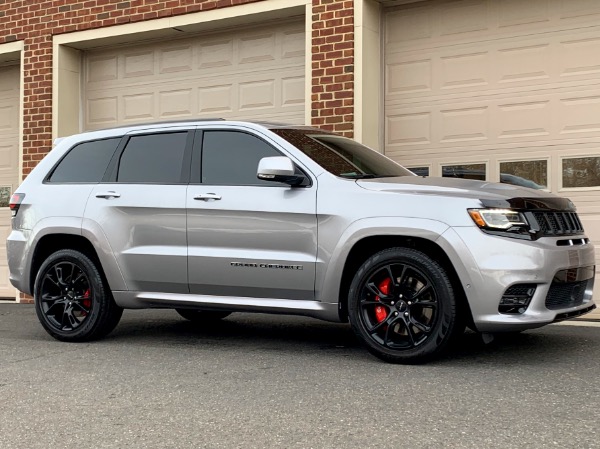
[[402, 306], [72, 299], [66, 295]]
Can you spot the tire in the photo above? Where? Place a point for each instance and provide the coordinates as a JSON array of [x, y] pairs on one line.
[[202, 316], [72, 299], [402, 306]]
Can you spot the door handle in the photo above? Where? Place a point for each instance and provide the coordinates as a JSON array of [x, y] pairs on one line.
[[207, 197], [108, 195]]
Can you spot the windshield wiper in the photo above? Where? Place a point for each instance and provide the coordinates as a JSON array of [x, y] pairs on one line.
[[358, 175], [365, 176]]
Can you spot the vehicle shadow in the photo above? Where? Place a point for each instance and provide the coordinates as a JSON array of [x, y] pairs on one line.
[[298, 334]]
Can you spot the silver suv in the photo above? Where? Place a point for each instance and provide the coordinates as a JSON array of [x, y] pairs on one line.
[[213, 217]]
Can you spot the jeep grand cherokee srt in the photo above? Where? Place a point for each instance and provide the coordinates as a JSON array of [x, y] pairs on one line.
[[213, 217]]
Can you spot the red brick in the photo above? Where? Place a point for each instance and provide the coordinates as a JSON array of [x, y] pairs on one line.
[[344, 126], [333, 91]]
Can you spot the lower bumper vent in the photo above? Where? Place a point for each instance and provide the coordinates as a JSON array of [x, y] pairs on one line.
[[516, 299], [568, 294]]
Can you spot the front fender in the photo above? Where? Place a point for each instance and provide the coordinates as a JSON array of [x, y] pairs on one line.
[[330, 268]]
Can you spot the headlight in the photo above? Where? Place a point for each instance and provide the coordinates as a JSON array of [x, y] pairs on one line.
[[501, 221]]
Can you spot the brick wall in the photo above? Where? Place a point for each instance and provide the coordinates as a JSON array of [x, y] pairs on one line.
[[332, 101]]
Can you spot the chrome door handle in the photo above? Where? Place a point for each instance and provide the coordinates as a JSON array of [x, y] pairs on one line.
[[207, 197], [108, 195]]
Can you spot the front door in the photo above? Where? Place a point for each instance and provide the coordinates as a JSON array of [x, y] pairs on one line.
[[247, 237]]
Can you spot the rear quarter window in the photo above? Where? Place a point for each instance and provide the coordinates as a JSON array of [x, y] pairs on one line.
[[85, 162]]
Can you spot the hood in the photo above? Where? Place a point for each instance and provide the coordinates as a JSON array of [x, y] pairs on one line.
[[491, 194]]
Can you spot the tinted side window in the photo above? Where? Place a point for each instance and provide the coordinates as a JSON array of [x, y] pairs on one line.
[[85, 162], [155, 158], [231, 158]]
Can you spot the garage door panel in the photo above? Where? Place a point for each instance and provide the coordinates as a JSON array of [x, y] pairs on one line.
[[257, 48], [293, 45], [215, 54], [9, 161], [8, 116], [514, 13], [463, 17], [250, 99], [216, 99], [175, 103], [579, 9], [102, 68], [548, 116], [253, 74], [506, 66], [525, 64], [246, 51], [579, 57], [101, 112], [423, 25], [175, 59]]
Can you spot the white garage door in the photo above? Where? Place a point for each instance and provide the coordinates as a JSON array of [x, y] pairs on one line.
[[499, 89], [9, 163], [255, 73]]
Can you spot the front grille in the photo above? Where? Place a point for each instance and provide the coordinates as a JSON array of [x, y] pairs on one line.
[[562, 295], [558, 223]]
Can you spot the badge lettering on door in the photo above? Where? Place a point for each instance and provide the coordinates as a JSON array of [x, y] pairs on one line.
[[275, 266]]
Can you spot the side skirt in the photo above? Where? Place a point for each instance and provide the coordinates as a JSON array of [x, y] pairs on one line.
[[146, 300]]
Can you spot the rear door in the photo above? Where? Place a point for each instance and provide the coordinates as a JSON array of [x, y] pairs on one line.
[[247, 237], [140, 208]]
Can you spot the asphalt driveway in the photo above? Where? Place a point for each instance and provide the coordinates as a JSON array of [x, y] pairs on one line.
[[258, 381]]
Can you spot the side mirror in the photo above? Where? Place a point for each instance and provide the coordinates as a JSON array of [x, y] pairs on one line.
[[279, 169]]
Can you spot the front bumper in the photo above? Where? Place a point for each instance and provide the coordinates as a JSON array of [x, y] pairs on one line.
[[492, 264]]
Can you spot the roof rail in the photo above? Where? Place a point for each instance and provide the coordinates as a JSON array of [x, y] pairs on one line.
[[163, 122]]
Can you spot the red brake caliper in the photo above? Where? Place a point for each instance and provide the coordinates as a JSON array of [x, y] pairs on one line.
[[87, 302], [381, 312]]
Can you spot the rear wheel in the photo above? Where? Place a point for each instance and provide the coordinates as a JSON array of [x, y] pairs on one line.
[[72, 300], [402, 306], [202, 316]]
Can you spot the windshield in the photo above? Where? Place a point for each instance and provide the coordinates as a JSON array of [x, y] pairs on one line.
[[342, 156]]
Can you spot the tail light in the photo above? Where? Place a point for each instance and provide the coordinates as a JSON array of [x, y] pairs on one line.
[[15, 202]]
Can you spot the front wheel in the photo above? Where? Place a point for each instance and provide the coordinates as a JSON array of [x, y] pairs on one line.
[[72, 300], [402, 306]]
